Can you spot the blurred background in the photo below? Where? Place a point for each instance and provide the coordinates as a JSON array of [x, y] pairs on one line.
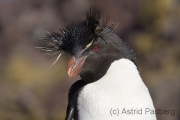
[[28, 91]]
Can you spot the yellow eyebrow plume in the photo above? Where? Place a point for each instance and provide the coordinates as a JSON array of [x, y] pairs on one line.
[[88, 45]]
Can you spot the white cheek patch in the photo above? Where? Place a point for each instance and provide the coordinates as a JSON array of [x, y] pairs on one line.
[[87, 46]]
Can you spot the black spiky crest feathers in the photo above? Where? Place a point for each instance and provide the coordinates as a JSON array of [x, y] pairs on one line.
[[75, 35]]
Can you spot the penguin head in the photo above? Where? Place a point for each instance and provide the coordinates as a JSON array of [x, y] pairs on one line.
[[93, 47]]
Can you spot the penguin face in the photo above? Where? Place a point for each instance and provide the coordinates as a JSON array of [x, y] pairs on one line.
[[92, 45], [101, 52]]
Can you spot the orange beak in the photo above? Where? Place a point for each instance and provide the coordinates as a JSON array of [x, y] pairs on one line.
[[75, 67]]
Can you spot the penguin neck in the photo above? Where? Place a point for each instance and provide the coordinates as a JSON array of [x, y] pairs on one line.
[[121, 80], [123, 72], [121, 77]]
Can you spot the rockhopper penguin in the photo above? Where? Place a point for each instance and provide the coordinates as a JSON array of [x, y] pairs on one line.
[[110, 87]]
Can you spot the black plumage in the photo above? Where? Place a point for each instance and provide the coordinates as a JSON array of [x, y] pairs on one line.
[[72, 111], [76, 35]]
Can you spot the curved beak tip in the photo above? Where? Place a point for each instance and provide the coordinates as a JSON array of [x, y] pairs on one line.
[[75, 66]]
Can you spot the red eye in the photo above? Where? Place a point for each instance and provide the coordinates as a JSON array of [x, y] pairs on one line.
[[95, 47]]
